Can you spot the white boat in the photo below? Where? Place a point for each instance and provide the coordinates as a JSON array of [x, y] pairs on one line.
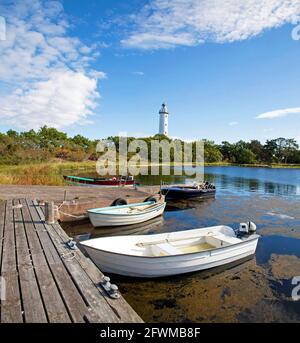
[[170, 253], [126, 214]]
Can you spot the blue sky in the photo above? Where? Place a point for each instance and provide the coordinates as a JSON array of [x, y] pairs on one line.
[[103, 67]]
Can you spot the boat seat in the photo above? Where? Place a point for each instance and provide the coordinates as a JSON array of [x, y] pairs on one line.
[[219, 240], [164, 249], [227, 239]]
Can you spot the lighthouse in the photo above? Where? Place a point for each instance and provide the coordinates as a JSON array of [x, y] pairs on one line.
[[163, 120]]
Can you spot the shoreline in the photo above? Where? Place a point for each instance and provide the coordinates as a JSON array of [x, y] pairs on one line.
[[50, 174], [224, 164], [83, 165]]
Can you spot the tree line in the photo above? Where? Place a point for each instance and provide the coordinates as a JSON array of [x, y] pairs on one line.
[[279, 150], [47, 144]]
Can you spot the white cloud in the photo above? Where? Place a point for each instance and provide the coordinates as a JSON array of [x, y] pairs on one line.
[[2, 28], [64, 99], [279, 113], [139, 73], [233, 123], [171, 23], [45, 74]]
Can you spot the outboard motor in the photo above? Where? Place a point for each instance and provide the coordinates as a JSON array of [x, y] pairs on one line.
[[247, 229]]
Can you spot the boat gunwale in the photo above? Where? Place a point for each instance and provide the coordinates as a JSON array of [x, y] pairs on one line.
[[154, 208], [69, 177], [74, 178], [188, 189], [249, 239]]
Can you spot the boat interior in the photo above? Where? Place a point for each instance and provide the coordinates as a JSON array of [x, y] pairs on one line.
[[127, 209], [187, 246]]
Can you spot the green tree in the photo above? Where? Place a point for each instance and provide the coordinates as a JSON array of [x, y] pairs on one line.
[[51, 137], [212, 152], [280, 150], [82, 141], [242, 154], [12, 134], [257, 148], [226, 149]]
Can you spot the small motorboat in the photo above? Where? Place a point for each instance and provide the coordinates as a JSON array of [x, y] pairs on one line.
[[186, 192], [112, 181], [126, 214], [172, 253]]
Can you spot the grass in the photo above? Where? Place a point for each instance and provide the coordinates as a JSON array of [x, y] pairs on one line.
[[42, 174], [51, 173]]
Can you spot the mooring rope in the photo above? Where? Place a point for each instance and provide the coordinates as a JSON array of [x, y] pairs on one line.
[[72, 215]]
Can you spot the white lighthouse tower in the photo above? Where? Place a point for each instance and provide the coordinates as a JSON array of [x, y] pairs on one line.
[[163, 120]]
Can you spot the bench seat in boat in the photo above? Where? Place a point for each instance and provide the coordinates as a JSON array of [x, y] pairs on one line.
[[164, 249]]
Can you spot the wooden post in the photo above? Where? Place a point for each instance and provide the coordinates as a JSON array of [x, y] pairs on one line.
[[65, 195], [49, 212]]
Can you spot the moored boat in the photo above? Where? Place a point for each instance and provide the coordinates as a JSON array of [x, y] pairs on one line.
[[186, 192], [172, 253], [111, 181], [126, 214]]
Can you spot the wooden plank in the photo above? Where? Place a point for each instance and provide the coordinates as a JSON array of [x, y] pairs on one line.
[[32, 302], [2, 219], [76, 306], [11, 310], [86, 197], [54, 305], [121, 308], [56, 193], [87, 288]]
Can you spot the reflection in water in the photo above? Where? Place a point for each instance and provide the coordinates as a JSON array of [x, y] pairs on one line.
[[241, 179], [257, 290], [237, 184], [277, 245], [179, 205], [85, 230], [234, 179]]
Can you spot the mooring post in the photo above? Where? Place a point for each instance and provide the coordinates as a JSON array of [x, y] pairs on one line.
[[49, 212]]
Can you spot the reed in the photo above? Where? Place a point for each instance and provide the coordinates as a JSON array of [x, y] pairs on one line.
[[42, 174]]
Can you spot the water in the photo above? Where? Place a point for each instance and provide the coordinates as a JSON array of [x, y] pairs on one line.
[[254, 291]]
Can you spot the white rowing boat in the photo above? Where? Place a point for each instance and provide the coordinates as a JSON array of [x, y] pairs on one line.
[[126, 214], [169, 253]]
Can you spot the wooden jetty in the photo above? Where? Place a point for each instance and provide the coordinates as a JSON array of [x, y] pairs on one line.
[[74, 201], [43, 280]]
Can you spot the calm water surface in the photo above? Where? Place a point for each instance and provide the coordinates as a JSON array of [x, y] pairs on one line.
[[258, 290]]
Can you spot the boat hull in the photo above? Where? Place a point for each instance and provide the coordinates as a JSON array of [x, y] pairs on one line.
[[145, 267], [174, 193], [99, 219], [98, 182]]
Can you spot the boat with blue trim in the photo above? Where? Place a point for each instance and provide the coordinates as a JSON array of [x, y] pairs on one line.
[[126, 214], [109, 181]]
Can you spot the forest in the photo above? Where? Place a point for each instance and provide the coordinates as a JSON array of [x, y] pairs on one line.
[[51, 145]]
